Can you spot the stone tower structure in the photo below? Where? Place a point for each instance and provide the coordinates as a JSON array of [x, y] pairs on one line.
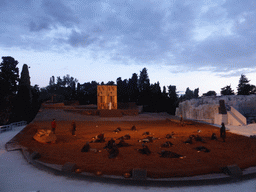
[[107, 97]]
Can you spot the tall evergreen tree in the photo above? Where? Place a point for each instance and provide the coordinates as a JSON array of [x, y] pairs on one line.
[[36, 103], [244, 88], [133, 88], [24, 96], [173, 99], [164, 100], [155, 97], [9, 76], [52, 81], [143, 83], [122, 90], [144, 87]]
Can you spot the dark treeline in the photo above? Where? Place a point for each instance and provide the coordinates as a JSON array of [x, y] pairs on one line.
[[18, 99], [137, 89], [21, 101]]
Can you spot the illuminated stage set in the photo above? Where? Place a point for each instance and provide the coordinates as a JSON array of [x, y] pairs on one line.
[[134, 145]]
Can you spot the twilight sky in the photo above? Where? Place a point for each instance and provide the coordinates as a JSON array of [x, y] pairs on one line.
[[187, 43]]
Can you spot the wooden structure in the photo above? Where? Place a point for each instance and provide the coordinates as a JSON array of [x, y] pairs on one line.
[[106, 97]]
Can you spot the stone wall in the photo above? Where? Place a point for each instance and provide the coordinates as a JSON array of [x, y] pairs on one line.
[[206, 108]]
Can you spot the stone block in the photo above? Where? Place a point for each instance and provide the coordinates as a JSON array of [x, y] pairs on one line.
[[232, 170], [139, 174], [69, 167], [35, 155]]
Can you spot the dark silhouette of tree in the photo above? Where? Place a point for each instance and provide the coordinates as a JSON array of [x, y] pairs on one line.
[[52, 81], [66, 81], [173, 99], [144, 83], [23, 106], [122, 90], [196, 93], [210, 93], [111, 83], [244, 88], [9, 76], [155, 97], [227, 90], [165, 95], [133, 90], [36, 103], [164, 101], [144, 87], [189, 94], [66, 87], [88, 93]]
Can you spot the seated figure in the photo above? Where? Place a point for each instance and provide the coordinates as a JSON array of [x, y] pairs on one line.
[[148, 139], [122, 143], [202, 148], [189, 140], [199, 138], [214, 137], [98, 139], [86, 147], [125, 137], [110, 144], [146, 133], [113, 152], [145, 150], [117, 130], [167, 144], [169, 136], [134, 128]]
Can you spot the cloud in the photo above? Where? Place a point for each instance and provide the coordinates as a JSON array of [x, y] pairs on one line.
[[80, 39], [59, 12], [41, 24], [217, 35], [235, 8]]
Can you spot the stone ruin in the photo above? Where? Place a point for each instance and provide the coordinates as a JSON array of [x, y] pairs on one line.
[[107, 97], [231, 109], [45, 136]]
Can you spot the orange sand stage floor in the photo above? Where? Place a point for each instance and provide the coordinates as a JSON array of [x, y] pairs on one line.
[[237, 149]]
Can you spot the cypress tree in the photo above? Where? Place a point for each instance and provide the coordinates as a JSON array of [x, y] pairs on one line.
[[133, 88], [144, 87], [244, 88], [24, 97]]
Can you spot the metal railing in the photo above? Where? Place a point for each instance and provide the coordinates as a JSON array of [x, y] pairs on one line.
[[11, 126]]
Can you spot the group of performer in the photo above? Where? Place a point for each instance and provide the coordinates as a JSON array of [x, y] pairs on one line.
[[112, 147]]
